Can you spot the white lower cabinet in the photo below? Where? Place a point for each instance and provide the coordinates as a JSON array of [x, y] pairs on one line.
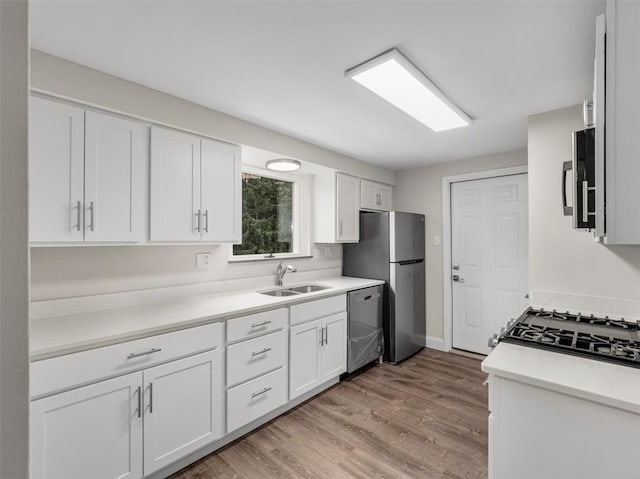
[[568, 437], [318, 353], [255, 398], [100, 431], [182, 408], [93, 431]]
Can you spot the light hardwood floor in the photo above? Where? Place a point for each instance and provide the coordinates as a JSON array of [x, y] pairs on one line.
[[425, 418]]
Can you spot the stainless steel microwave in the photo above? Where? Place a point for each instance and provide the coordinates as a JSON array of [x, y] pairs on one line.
[[583, 180]]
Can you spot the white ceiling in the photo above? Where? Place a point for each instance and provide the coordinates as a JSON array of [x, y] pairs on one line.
[[281, 64]]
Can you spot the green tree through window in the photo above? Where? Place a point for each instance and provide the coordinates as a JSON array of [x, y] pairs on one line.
[[267, 213]]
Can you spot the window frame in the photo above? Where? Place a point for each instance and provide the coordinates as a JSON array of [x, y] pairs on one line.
[[300, 218]]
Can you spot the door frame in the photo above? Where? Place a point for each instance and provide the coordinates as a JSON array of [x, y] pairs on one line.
[[447, 181]]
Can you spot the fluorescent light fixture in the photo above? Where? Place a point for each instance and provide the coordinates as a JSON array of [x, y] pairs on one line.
[[283, 164], [395, 79]]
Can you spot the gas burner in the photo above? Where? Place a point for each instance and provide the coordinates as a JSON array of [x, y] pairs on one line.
[[589, 336]]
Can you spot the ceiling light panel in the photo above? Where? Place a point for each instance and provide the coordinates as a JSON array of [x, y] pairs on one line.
[[395, 79]]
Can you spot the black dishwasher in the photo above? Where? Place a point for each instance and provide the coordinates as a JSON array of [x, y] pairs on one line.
[[364, 327]]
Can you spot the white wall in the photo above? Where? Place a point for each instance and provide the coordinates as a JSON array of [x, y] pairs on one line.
[[14, 251], [78, 271], [420, 190], [567, 268]]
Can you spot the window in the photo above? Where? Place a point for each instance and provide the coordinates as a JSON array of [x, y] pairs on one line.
[[272, 225]]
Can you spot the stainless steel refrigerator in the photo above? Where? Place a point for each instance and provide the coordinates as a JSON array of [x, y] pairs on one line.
[[391, 248]]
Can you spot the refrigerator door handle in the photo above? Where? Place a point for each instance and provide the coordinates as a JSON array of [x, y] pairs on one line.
[[411, 261]]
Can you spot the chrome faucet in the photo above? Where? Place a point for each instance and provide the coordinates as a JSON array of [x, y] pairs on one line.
[[280, 272]]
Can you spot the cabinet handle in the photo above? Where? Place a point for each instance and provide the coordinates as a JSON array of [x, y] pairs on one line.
[[260, 393], [260, 325], [92, 214], [198, 221], [137, 355], [326, 335], [206, 221], [340, 228], [139, 401], [78, 209], [150, 398], [258, 353]]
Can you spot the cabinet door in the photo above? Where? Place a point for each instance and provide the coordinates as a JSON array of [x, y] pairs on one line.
[[385, 195], [334, 351], [221, 192], [56, 171], [93, 431], [183, 404], [116, 156], [175, 186], [375, 196], [305, 368], [347, 208]]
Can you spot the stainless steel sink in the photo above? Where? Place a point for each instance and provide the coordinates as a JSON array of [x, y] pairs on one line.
[[279, 292], [305, 288], [308, 288]]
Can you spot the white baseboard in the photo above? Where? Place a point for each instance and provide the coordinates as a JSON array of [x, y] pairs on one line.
[[436, 343]]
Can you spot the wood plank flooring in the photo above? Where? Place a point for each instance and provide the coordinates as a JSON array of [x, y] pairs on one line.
[[425, 418]]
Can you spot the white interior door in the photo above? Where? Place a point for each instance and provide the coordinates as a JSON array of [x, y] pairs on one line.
[[489, 248]]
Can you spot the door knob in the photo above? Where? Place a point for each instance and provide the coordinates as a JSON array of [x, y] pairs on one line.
[[458, 278]]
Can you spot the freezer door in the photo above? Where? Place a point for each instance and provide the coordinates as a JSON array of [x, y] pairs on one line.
[[406, 231], [406, 322]]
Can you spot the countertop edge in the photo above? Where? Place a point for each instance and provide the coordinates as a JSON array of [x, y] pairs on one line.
[[273, 303], [544, 379]]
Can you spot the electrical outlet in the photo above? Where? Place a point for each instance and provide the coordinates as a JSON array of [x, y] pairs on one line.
[[203, 260], [436, 240]]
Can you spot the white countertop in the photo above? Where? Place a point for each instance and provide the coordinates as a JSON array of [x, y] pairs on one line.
[[599, 381], [60, 335]]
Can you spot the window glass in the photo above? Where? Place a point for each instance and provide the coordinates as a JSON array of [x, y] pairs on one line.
[[267, 216]]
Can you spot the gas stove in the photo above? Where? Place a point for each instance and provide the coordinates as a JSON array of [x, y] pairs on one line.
[[582, 335]]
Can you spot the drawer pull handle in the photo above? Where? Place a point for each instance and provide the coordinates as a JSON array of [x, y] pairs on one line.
[[260, 393], [260, 325], [137, 355], [258, 353]]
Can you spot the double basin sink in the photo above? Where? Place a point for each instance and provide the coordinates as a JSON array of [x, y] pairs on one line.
[[305, 288]]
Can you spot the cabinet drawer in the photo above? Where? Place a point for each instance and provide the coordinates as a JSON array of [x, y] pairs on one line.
[[62, 372], [318, 309], [255, 324], [256, 398], [250, 359]]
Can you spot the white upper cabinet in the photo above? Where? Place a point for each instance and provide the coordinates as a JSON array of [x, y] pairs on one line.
[[56, 172], [375, 196], [336, 208], [87, 173], [348, 207], [195, 189], [221, 191], [175, 186], [622, 149], [116, 159]]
